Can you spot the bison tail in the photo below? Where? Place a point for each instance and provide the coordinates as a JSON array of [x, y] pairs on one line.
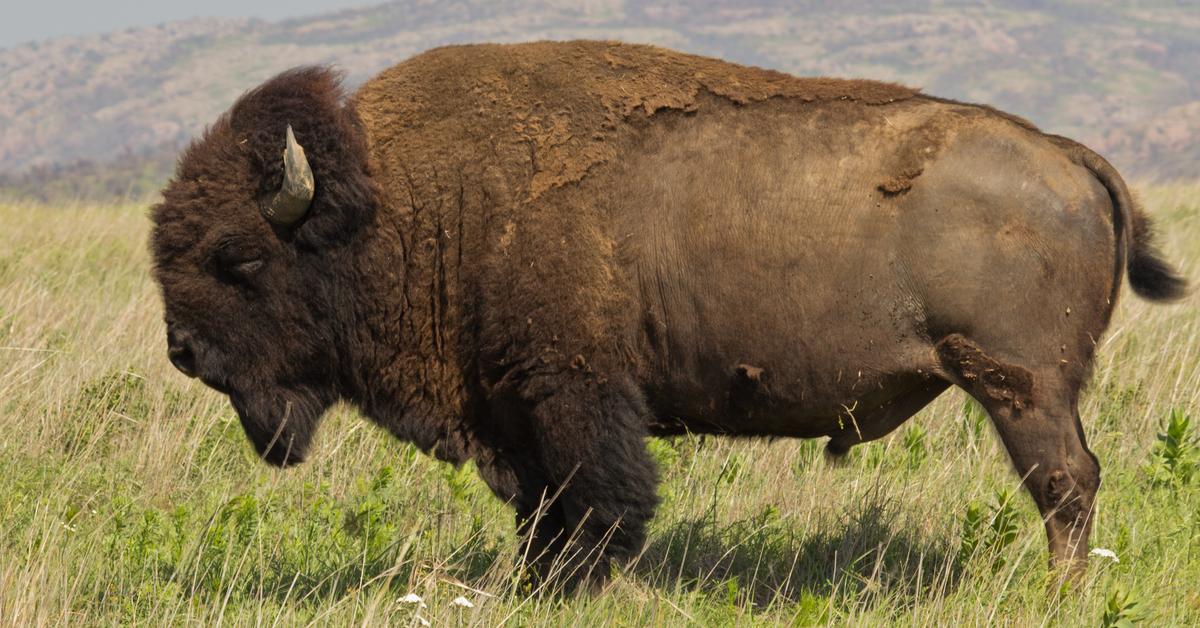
[[1150, 275]]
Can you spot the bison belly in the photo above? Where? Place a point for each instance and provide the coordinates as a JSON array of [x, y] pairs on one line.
[[796, 264]]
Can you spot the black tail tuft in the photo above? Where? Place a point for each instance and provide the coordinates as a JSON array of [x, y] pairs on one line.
[[1150, 276]]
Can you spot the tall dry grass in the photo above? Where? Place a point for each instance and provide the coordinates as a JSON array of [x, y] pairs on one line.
[[128, 495]]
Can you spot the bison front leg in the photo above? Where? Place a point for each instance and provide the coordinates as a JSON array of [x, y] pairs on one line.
[[597, 487]]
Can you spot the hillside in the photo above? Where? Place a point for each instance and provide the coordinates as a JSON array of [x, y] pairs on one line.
[[1122, 77]]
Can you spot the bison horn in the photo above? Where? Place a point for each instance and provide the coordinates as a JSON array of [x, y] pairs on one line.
[[291, 202]]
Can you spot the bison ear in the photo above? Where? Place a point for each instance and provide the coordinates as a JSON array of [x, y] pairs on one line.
[[344, 199], [309, 149], [318, 191]]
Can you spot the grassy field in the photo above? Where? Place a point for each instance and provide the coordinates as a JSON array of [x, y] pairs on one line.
[[128, 494]]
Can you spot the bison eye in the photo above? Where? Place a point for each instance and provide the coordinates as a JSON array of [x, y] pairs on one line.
[[248, 267], [235, 265]]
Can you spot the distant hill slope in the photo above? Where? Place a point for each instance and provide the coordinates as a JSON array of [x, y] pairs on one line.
[[1123, 77]]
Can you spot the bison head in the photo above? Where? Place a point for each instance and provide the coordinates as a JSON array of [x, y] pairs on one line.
[[252, 248]]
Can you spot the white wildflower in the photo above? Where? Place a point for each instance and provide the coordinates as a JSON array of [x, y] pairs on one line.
[[412, 598], [463, 602], [422, 621], [1105, 553]]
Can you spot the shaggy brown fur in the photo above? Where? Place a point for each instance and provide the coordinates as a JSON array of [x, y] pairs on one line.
[[532, 256]]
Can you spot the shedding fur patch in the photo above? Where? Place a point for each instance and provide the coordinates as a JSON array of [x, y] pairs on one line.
[[551, 111], [1006, 383]]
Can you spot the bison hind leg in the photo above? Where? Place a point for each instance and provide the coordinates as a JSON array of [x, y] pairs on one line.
[[1035, 411]]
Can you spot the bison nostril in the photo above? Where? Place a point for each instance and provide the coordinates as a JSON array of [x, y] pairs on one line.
[[180, 353], [183, 359]]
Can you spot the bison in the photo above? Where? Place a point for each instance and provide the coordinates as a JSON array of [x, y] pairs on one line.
[[533, 256]]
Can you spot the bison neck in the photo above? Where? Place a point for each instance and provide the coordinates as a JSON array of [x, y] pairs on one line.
[[412, 329]]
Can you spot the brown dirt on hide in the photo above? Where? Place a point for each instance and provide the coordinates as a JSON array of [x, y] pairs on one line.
[[985, 376], [900, 183]]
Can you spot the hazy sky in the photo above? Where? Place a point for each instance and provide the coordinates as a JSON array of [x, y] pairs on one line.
[[30, 20]]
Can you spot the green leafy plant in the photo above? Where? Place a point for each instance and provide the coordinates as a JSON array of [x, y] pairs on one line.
[[1122, 610], [875, 454], [1173, 459], [730, 470], [987, 531], [461, 479], [732, 590], [914, 444], [664, 452]]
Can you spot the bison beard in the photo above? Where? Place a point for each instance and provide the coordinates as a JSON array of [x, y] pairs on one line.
[[280, 424], [534, 256]]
